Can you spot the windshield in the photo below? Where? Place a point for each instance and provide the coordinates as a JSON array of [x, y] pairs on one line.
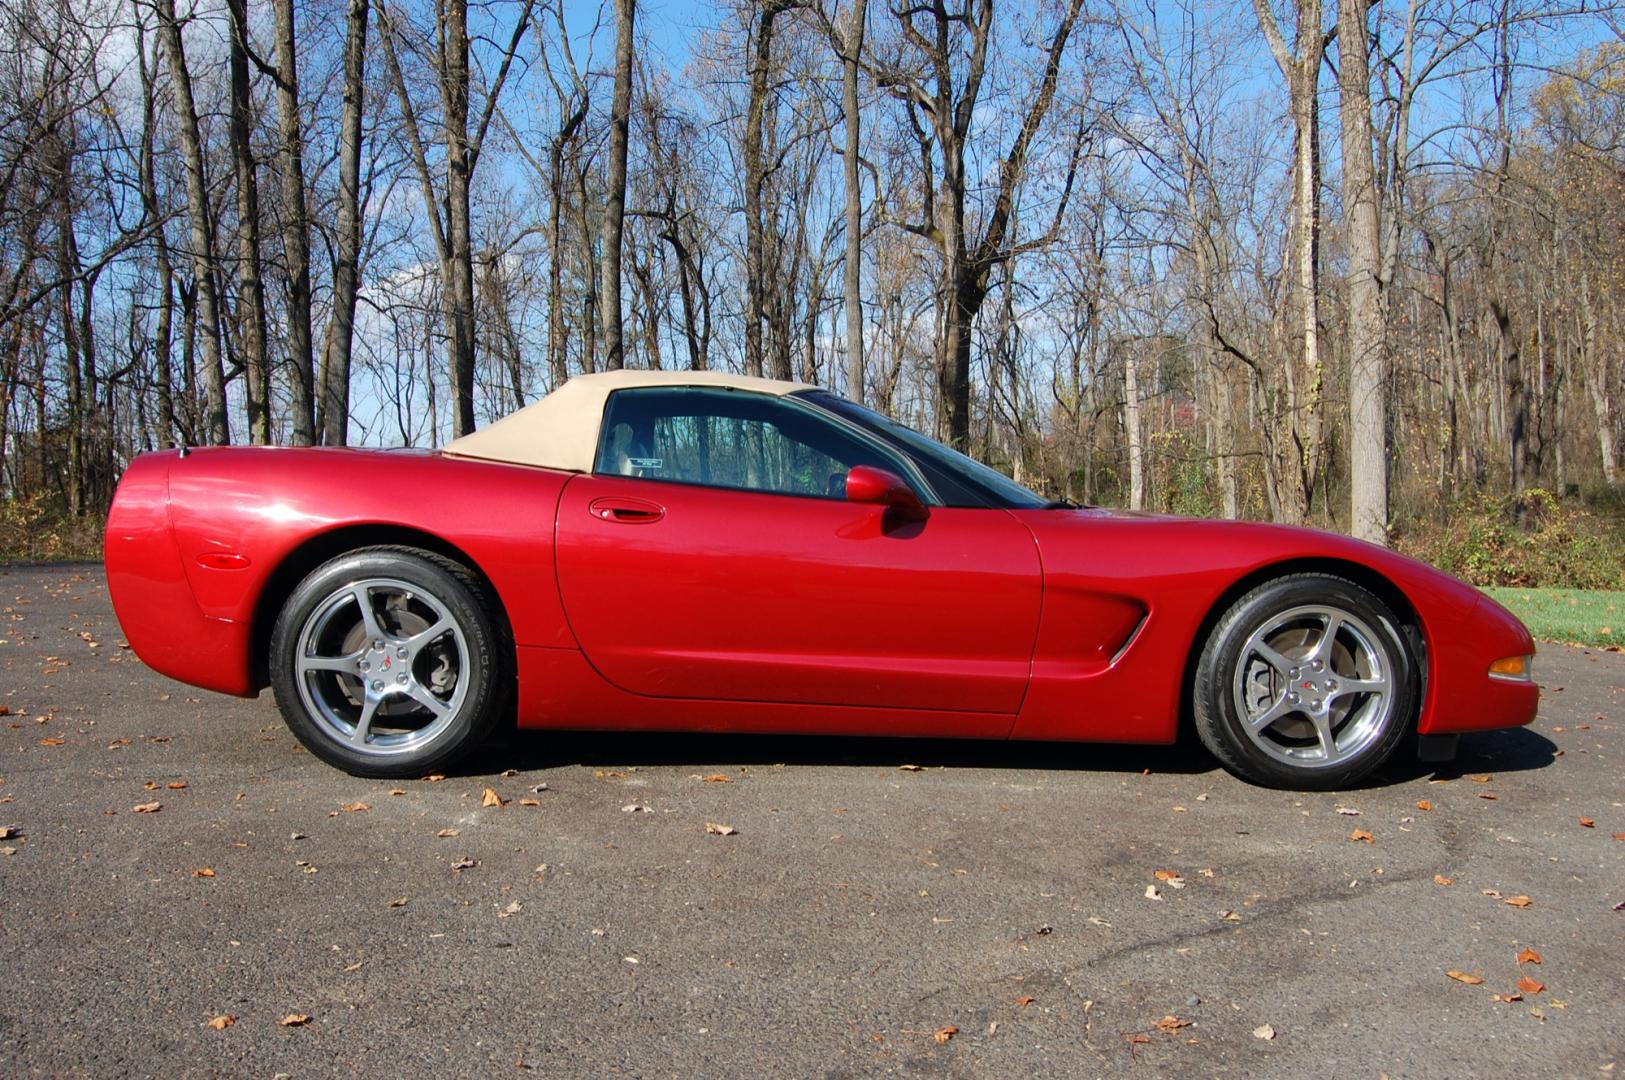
[[959, 480]]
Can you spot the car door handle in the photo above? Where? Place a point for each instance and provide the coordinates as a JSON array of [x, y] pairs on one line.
[[626, 511]]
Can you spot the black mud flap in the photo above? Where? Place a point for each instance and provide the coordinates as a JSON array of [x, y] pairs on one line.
[[1436, 748]]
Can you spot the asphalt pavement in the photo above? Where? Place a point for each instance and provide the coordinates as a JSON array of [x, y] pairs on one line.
[[184, 891]]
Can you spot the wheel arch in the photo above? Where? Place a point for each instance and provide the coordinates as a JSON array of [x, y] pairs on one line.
[[1360, 574], [318, 549]]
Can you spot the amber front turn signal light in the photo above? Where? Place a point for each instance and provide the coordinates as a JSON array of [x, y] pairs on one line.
[[1513, 668]]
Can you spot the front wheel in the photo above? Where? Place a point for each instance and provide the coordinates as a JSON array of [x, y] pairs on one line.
[[387, 662], [1306, 682]]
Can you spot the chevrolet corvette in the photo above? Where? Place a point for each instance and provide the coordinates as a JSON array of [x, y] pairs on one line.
[[700, 551]]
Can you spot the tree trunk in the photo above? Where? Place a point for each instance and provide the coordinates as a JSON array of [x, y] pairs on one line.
[[1131, 424], [852, 284], [1368, 402], [197, 209], [251, 289], [457, 288], [755, 179], [615, 197], [295, 229], [335, 399]]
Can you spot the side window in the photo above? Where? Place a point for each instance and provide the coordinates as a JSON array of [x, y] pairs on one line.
[[729, 439]]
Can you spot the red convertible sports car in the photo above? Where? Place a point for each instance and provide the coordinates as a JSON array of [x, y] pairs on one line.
[[701, 551]]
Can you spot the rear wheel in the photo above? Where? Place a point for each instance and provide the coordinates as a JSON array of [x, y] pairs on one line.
[[1306, 682], [387, 662]]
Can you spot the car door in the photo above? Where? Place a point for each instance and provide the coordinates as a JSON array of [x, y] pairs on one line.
[[714, 555]]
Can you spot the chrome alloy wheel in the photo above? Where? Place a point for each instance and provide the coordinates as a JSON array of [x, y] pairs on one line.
[[381, 665], [1314, 686]]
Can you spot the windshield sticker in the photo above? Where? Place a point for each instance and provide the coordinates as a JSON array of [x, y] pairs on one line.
[[647, 462]]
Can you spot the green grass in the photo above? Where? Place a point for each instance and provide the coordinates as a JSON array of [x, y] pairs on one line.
[[1571, 616]]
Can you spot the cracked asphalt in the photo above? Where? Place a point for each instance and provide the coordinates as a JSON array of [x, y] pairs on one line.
[[995, 912]]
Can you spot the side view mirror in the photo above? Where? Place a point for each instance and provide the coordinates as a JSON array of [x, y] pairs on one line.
[[867, 484]]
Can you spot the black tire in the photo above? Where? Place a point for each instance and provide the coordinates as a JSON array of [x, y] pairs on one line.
[[1282, 707], [419, 686]]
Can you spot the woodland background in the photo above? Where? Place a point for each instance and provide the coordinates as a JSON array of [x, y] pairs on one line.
[[1355, 264]]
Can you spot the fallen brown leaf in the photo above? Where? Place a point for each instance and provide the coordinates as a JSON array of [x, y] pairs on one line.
[[716, 829], [397, 791], [1170, 1024], [354, 807], [294, 1020], [53, 742], [1166, 875], [221, 1022], [435, 778], [717, 778], [1440, 879], [1423, 804], [203, 871], [1263, 1031], [1508, 998], [1530, 986], [1517, 901], [530, 802], [1362, 835], [1529, 956], [1463, 977], [1025, 1000], [1620, 836], [1587, 823], [491, 798], [176, 785], [1479, 779], [912, 768], [146, 808], [446, 834], [943, 1034]]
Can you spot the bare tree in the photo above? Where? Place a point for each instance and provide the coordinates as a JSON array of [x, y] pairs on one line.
[[620, 119], [948, 103], [333, 409], [197, 208]]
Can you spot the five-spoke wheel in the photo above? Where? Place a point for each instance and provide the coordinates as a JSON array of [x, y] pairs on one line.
[[386, 662], [1307, 681]]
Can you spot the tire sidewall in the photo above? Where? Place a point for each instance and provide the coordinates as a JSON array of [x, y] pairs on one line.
[[1222, 728], [481, 703]]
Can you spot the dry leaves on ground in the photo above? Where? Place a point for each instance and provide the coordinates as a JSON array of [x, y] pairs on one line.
[[1263, 1031], [1170, 1024], [1517, 901], [1529, 956], [1530, 986], [446, 834], [221, 1022], [146, 808], [354, 807], [491, 798], [294, 1020], [717, 829], [1440, 879], [1464, 977], [203, 871], [1362, 836], [1423, 804], [1025, 1000], [943, 1034]]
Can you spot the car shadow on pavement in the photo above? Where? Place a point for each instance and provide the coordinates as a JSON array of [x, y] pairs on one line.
[[1513, 750], [527, 750], [1506, 751]]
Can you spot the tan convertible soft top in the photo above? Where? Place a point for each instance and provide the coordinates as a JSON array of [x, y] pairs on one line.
[[561, 430]]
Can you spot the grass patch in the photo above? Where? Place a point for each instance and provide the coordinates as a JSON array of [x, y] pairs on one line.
[[1570, 616]]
